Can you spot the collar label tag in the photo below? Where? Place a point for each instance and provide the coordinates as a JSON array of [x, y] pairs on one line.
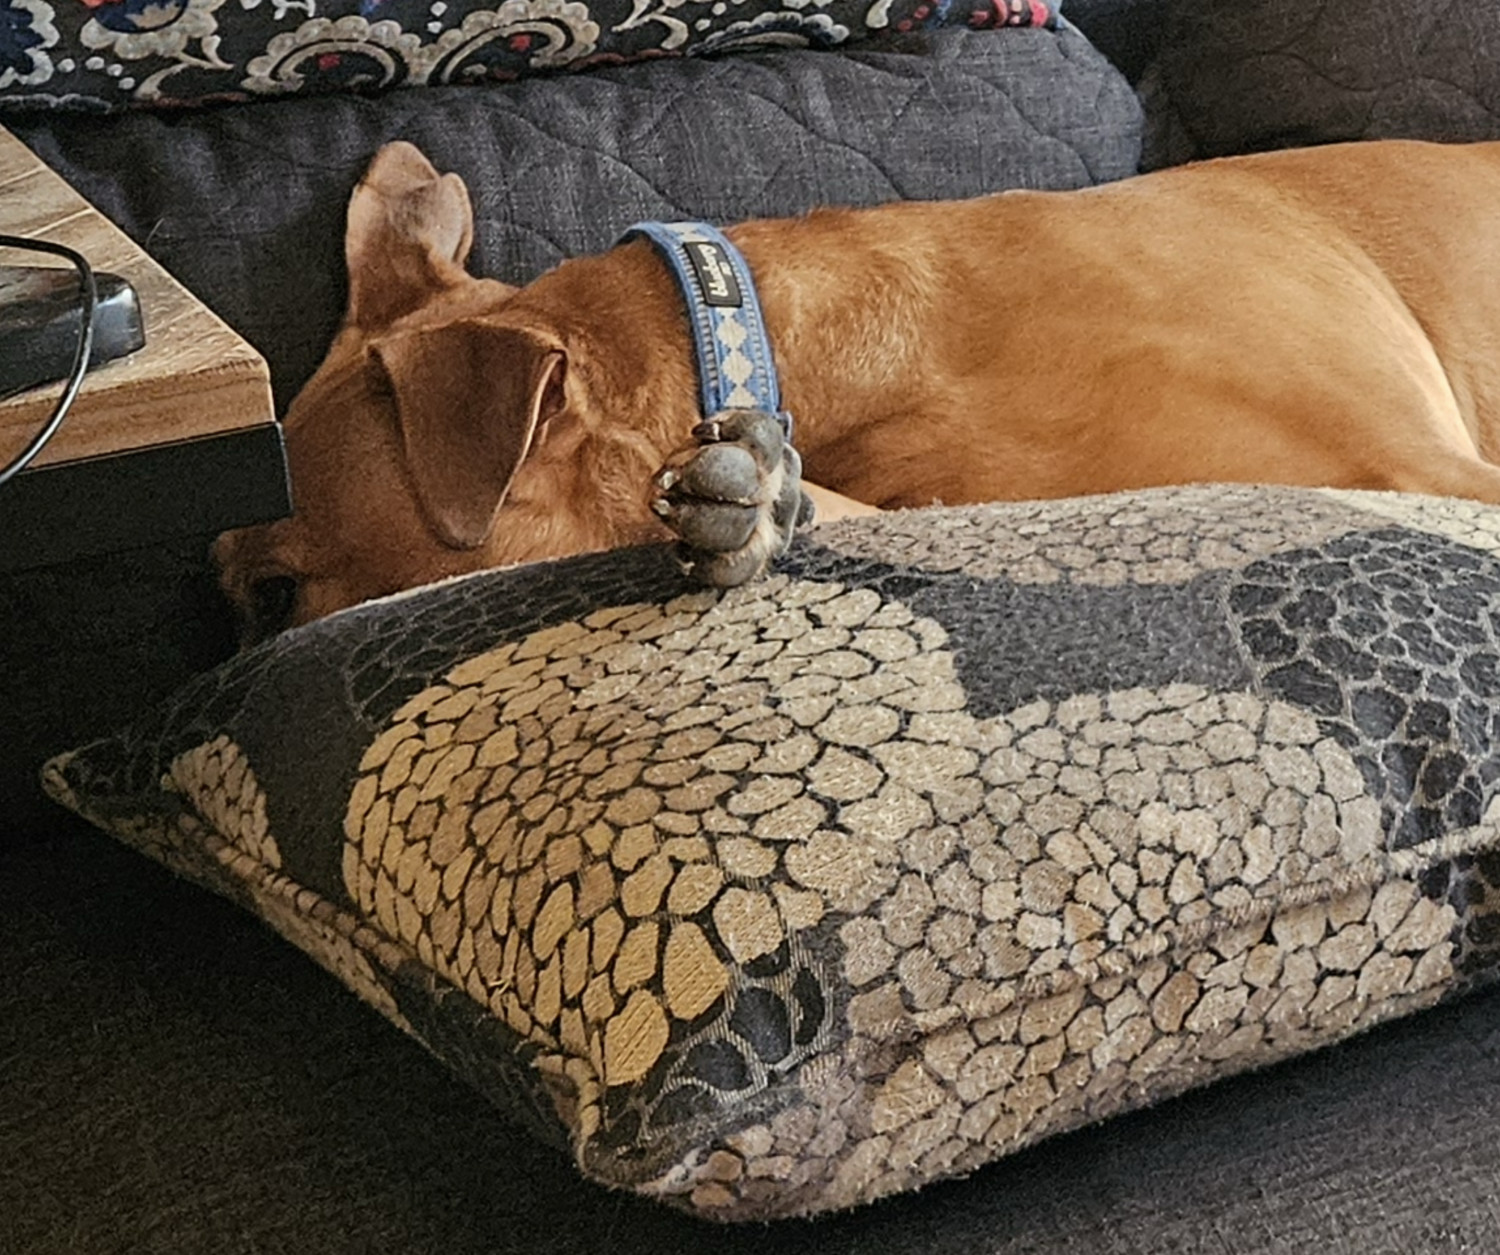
[[715, 274]]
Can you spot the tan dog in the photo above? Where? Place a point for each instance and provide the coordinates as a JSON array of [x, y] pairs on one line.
[[1319, 317]]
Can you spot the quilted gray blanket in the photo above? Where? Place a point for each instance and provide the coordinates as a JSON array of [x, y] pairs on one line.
[[246, 205]]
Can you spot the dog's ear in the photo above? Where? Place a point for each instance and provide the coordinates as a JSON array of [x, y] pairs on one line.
[[409, 233], [470, 398]]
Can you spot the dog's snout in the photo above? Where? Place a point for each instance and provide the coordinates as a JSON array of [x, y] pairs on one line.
[[271, 602]]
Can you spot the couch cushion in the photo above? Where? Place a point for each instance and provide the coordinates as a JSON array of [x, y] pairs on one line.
[[966, 828], [245, 206], [181, 1082], [1128, 32], [103, 54], [1235, 76]]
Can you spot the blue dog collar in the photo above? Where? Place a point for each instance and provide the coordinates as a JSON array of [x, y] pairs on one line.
[[735, 368]]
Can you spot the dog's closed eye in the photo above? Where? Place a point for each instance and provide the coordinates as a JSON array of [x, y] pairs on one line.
[[271, 602]]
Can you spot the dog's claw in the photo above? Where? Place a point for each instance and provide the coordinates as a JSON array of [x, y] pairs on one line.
[[734, 497]]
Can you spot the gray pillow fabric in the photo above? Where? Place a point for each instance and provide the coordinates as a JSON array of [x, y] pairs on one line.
[[1243, 75], [246, 205], [1128, 32]]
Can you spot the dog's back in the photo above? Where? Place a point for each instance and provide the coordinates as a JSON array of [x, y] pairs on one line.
[[1313, 303]]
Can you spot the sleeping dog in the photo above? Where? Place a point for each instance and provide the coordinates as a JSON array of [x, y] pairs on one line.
[[1320, 317]]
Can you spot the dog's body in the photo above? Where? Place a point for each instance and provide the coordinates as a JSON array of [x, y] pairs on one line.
[[1320, 317]]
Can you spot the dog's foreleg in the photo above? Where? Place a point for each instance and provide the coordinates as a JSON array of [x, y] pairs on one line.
[[830, 506]]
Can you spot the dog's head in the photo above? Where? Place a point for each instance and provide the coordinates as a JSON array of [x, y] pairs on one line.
[[448, 429]]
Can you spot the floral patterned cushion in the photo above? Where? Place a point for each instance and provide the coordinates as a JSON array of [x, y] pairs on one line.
[[110, 53], [965, 828]]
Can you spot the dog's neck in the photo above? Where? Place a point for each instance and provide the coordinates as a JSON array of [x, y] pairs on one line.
[[625, 320]]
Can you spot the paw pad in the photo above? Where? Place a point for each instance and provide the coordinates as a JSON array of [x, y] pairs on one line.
[[733, 496]]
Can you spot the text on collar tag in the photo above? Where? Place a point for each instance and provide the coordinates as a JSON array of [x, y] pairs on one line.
[[715, 275]]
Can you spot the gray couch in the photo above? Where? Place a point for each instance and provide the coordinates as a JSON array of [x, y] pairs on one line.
[[174, 1078]]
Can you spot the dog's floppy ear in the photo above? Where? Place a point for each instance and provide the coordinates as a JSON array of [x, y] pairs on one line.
[[409, 233], [470, 398]]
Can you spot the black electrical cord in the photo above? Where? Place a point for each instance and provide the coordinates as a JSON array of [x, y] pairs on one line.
[[88, 298]]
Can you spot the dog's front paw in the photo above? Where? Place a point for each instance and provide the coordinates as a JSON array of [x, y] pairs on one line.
[[734, 497]]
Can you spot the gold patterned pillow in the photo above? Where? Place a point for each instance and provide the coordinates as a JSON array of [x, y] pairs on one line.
[[968, 827]]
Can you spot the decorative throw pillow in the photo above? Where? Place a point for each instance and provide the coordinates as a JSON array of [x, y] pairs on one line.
[[109, 53], [1236, 76], [968, 827]]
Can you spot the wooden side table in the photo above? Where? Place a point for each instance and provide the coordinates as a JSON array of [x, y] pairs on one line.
[[178, 439], [107, 597]]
